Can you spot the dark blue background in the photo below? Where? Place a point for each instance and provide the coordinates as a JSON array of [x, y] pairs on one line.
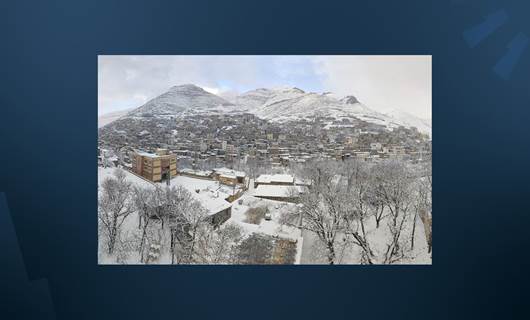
[[48, 139]]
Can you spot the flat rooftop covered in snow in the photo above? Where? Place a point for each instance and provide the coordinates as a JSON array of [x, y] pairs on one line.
[[212, 201], [229, 172], [200, 173], [277, 191], [275, 178], [147, 154], [211, 194]]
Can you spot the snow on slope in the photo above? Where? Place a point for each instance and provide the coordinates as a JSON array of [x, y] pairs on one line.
[[255, 98], [110, 117], [276, 104], [285, 104], [292, 103], [180, 98], [408, 120]]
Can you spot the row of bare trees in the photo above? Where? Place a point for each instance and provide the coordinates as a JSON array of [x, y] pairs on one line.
[[169, 220], [344, 196]]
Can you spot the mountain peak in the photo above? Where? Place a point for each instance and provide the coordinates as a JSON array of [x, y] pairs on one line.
[[297, 90], [180, 98], [349, 100], [187, 87], [277, 104], [288, 89]]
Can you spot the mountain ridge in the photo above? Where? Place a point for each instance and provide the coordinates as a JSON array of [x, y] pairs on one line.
[[275, 104], [180, 98]]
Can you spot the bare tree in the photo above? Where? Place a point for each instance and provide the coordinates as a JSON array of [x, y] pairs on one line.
[[114, 206], [125, 244], [149, 204], [376, 203], [186, 216], [358, 184], [217, 246], [192, 238], [342, 198], [424, 201], [394, 188], [323, 209]]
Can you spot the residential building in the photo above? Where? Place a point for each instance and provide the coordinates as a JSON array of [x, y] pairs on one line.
[[274, 179], [278, 192], [155, 166], [229, 176], [375, 146]]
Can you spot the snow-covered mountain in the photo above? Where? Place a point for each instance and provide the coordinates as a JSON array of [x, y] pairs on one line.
[[409, 120], [284, 104], [276, 104], [178, 99], [112, 116]]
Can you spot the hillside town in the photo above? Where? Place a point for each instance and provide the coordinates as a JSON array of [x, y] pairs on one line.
[[208, 141], [254, 187], [190, 178]]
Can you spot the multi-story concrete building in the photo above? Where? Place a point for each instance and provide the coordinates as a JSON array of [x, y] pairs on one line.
[[155, 166]]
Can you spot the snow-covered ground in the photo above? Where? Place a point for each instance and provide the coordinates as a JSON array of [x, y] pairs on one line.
[[309, 251], [312, 251], [269, 227]]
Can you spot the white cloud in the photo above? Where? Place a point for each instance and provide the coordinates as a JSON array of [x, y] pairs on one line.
[[123, 79], [212, 90], [381, 82]]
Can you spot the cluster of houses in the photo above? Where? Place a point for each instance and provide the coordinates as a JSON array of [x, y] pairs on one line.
[[211, 141], [223, 175], [279, 187], [218, 188], [215, 198]]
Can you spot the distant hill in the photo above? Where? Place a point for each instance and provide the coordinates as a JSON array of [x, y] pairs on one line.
[[178, 99], [275, 104], [112, 116]]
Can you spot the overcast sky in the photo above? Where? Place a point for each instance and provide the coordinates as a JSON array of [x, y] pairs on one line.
[[380, 82]]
